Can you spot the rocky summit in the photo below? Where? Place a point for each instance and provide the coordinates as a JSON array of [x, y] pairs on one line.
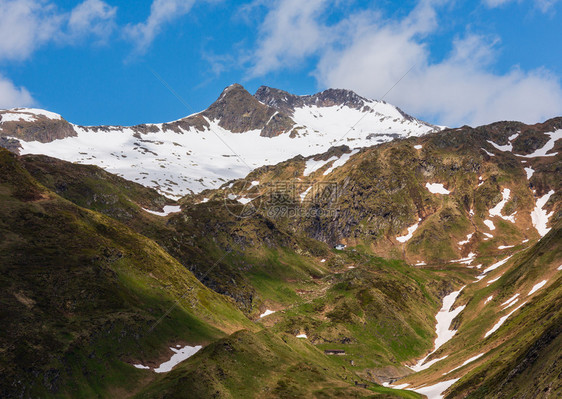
[[280, 246]]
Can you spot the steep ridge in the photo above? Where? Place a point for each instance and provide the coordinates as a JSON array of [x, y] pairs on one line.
[[83, 296], [506, 341], [446, 197], [289, 103], [239, 112], [235, 135]]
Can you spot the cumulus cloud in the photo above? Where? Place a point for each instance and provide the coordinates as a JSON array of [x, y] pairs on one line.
[[92, 17], [369, 54], [290, 32], [26, 25], [12, 96], [161, 12]]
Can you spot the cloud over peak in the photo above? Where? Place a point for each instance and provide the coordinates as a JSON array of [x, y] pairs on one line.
[[370, 54]]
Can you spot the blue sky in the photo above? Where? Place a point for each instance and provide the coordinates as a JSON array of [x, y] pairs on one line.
[[95, 61]]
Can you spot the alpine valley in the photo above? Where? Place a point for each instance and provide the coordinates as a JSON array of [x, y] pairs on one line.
[[280, 246]]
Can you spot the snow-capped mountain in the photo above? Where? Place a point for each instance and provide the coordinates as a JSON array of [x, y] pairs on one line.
[[236, 134]]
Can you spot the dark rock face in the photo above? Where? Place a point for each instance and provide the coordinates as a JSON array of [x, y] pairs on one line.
[[43, 129], [10, 144], [238, 111], [287, 102]]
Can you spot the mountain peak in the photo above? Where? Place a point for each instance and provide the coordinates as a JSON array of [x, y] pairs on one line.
[[287, 102], [238, 111]]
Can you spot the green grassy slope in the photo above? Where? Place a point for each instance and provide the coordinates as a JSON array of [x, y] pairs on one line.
[[524, 360], [92, 187], [80, 292], [263, 365]]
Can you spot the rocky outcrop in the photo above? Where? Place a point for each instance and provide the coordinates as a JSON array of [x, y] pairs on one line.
[[40, 128], [287, 102], [238, 111]]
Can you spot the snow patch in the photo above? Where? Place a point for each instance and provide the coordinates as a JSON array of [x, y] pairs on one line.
[[312, 165], [266, 313], [494, 280], [468, 361], [501, 321], [27, 115], [542, 152], [179, 356], [539, 217], [418, 147], [507, 147], [488, 299], [302, 336], [538, 286], [168, 209], [444, 319], [435, 391], [496, 265], [511, 301], [341, 161], [410, 233], [419, 367], [529, 172], [505, 246], [16, 117], [490, 225], [467, 240], [497, 210], [513, 136], [437, 188], [401, 386], [468, 260], [305, 193]]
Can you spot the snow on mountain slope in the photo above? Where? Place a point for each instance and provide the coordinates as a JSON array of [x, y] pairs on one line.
[[235, 135], [26, 115]]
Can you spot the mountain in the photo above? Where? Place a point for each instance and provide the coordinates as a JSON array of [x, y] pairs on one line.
[[82, 295], [416, 194], [236, 134], [428, 265]]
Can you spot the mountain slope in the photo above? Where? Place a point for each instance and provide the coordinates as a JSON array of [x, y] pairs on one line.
[[80, 293], [451, 196], [466, 220], [235, 135]]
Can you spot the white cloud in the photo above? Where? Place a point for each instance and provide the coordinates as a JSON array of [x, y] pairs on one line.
[[92, 17], [290, 32], [26, 25], [369, 55], [543, 5], [161, 12], [12, 96]]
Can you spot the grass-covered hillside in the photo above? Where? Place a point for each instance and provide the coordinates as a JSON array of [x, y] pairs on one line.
[[81, 292], [92, 282]]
